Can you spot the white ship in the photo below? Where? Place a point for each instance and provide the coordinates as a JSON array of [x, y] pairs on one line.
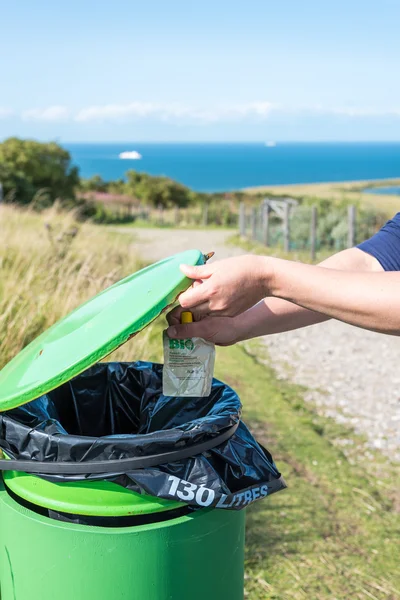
[[130, 155]]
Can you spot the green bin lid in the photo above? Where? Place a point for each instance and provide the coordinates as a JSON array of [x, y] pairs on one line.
[[93, 330]]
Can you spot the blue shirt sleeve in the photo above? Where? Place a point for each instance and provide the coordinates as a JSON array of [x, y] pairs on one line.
[[385, 245]]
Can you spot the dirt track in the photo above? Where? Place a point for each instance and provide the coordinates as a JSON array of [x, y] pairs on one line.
[[155, 244]]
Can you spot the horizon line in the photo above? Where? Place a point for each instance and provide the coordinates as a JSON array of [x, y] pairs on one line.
[[277, 142]]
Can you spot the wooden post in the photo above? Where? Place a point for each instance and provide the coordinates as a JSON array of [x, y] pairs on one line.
[[313, 233], [176, 215], [286, 227], [205, 214], [351, 232], [265, 224], [260, 221], [242, 220], [254, 223], [161, 214]]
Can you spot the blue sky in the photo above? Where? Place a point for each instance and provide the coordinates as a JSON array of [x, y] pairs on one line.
[[200, 71]]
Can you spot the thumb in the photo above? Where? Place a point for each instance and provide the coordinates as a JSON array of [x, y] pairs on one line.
[[200, 272], [181, 332]]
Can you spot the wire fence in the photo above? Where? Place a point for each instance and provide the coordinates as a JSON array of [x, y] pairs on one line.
[[294, 227]]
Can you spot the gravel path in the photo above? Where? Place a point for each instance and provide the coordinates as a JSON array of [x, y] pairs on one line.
[[351, 375], [155, 244]]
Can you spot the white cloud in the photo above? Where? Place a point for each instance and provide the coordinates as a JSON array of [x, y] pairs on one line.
[[366, 112], [351, 111], [5, 112], [166, 112], [51, 113], [117, 111], [181, 113], [225, 112], [261, 109]]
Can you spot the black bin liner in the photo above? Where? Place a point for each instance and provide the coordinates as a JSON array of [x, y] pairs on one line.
[[116, 411]]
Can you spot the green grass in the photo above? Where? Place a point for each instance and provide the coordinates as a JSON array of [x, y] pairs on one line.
[[49, 264]]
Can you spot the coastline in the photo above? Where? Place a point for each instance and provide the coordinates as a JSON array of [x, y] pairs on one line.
[[338, 190], [357, 183], [228, 167]]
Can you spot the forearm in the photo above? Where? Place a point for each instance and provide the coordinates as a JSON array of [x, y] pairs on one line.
[[370, 300], [275, 315]]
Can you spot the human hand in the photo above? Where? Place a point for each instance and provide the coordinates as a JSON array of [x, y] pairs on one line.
[[222, 331], [228, 287]]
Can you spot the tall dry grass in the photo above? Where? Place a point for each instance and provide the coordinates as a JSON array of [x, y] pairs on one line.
[[49, 264]]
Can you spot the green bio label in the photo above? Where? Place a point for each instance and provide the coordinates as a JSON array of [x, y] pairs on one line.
[[181, 344]]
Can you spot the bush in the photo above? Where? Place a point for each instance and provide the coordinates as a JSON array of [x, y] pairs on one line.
[[157, 191], [28, 167]]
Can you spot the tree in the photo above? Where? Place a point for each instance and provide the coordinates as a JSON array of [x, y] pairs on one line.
[[27, 167], [94, 184], [157, 191]]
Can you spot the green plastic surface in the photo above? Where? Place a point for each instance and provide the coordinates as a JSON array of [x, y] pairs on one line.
[[93, 330], [194, 557], [94, 498]]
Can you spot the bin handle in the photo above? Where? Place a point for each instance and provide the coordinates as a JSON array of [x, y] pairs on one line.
[[123, 465]]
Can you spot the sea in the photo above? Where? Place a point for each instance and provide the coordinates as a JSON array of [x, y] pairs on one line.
[[218, 167]]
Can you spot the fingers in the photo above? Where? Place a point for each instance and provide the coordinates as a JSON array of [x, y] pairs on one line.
[[181, 332], [200, 272], [194, 296], [198, 294], [174, 316]]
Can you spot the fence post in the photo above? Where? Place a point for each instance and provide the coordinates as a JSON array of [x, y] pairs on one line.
[[351, 232], [265, 223], [161, 214], [313, 233], [205, 214], [242, 220], [286, 227], [260, 217], [254, 223]]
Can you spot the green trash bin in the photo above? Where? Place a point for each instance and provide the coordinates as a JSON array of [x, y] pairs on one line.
[[160, 549], [169, 553]]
